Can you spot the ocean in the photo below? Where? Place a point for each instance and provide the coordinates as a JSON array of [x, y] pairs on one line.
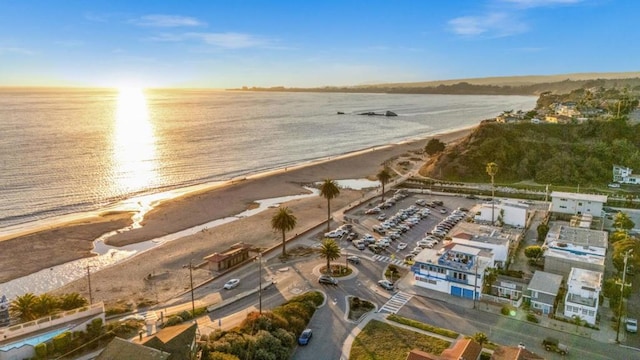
[[66, 153], [71, 151]]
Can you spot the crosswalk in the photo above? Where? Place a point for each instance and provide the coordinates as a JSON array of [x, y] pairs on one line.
[[387, 259], [396, 302]]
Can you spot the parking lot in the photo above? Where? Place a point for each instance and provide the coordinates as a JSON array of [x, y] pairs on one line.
[[410, 229]]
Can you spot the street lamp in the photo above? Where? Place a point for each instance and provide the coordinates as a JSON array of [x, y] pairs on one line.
[[260, 282], [89, 281], [624, 273]]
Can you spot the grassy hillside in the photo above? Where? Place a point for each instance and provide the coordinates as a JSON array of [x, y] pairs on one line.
[[545, 153]]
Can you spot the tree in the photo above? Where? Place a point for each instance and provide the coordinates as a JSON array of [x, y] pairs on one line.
[[434, 146], [623, 222], [283, 221], [329, 250], [384, 176], [24, 307], [46, 305], [533, 252], [492, 170], [543, 230], [72, 301], [329, 190], [490, 276], [480, 338]]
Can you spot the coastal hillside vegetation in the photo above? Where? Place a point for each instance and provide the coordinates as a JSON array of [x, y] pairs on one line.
[[559, 154]]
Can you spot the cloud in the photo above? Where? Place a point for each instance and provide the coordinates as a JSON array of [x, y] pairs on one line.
[[492, 25], [541, 3], [230, 40], [167, 21], [16, 50]]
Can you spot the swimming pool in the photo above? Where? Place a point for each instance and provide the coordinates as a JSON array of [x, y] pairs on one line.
[[34, 340]]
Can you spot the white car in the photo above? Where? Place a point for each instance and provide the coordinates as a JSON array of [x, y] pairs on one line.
[[402, 246], [231, 284], [631, 325]]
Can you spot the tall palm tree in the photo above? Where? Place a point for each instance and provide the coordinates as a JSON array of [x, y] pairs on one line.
[[72, 301], [46, 305], [24, 307], [329, 190], [284, 221], [384, 176], [492, 170], [330, 251]]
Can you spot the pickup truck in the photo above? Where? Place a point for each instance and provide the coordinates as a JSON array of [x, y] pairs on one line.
[[553, 344]]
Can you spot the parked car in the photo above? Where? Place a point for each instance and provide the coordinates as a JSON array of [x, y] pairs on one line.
[[326, 279], [402, 246], [305, 336], [231, 284], [631, 325], [353, 259], [385, 284], [359, 244], [553, 344]]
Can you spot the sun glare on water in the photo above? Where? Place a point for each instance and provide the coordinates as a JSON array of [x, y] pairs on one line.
[[134, 142]]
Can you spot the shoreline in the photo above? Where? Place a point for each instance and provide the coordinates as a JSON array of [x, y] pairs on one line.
[[69, 241]]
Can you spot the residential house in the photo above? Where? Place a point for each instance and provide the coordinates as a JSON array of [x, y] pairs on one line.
[[557, 119], [567, 109], [624, 175], [576, 203], [542, 291], [120, 349], [466, 349], [496, 242], [455, 269], [583, 292], [567, 247], [507, 212], [514, 353], [179, 341], [507, 290]]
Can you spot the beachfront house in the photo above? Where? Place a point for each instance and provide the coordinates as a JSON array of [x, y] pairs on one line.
[[624, 175], [568, 247], [576, 203], [542, 291], [466, 349], [229, 258], [496, 242], [506, 212], [507, 290], [122, 349], [455, 270], [583, 292], [179, 341]]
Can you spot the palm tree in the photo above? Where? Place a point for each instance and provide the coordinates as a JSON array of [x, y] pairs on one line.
[[330, 251], [384, 176], [46, 305], [284, 221], [72, 301], [329, 190], [480, 338], [492, 170], [23, 307]]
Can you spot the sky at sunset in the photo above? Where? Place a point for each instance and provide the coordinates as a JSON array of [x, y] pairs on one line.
[[234, 43]]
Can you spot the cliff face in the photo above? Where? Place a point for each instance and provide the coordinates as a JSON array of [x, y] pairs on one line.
[[568, 154]]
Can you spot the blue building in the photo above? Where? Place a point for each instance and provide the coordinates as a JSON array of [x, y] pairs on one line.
[[455, 269]]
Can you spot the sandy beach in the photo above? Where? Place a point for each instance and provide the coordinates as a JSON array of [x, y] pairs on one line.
[[124, 282]]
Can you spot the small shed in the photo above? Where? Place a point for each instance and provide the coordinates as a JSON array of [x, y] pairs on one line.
[[234, 255]]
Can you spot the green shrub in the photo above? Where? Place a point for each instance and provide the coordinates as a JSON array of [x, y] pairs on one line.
[[532, 318], [41, 351], [174, 320], [61, 342]]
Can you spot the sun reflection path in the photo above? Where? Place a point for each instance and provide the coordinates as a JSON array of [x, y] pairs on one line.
[[134, 143]]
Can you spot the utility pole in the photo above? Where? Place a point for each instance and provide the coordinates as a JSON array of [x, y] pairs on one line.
[[622, 285], [475, 284], [260, 283], [193, 303], [89, 281]]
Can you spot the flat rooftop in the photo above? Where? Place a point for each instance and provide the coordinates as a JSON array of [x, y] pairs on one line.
[[577, 240], [578, 196]]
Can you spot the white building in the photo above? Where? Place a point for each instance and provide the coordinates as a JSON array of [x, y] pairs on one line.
[[542, 291], [455, 270], [583, 292], [575, 203], [495, 242], [509, 212], [624, 175], [568, 247]]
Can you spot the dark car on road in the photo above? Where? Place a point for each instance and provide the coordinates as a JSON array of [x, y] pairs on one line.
[[305, 336], [326, 279], [353, 259]]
